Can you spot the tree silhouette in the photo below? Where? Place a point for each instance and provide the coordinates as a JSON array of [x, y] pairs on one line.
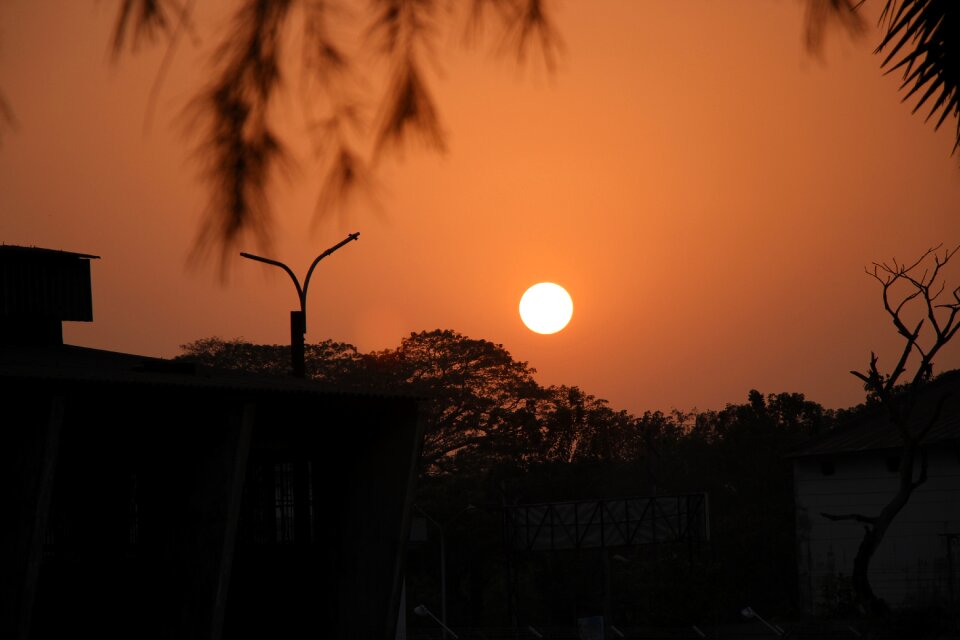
[[925, 333], [738, 456], [328, 361], [580, 427], [483, 402], [494, 437]]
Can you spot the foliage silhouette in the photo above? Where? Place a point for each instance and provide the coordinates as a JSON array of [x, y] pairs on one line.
[[483, 400], [240, 144], [329, 361], [920, 38], [243, 149]]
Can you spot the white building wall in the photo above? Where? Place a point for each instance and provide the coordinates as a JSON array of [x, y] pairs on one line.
[[910, 566]]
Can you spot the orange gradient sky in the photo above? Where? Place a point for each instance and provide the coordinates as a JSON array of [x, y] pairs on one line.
[[707, 191]]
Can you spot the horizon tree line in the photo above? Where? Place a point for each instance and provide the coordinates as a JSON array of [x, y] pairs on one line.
[[488, 416]]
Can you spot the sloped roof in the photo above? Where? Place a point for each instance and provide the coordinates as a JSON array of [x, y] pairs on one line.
[[873, 430], [20, 251]]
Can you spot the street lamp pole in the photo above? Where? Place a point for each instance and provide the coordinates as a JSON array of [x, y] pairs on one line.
[[298, 319]]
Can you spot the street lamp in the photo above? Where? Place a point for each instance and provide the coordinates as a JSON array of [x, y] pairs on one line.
[[443, 562], [298, 319]]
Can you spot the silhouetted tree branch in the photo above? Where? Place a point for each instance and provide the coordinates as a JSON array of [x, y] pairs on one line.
[[905, 287]]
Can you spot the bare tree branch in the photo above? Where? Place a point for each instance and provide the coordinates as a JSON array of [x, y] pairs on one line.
[[926, 290], [930, 334]]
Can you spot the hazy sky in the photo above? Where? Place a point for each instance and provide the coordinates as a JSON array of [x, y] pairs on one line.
[[707, 191]]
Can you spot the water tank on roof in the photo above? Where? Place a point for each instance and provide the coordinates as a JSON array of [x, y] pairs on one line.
[[39, 289]]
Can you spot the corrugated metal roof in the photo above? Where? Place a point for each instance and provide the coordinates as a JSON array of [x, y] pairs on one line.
[[873, 431]]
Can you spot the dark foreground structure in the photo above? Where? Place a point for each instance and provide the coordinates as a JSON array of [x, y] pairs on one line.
[[856, 469], [151, 499]]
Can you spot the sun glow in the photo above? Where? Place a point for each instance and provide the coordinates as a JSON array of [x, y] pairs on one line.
[[546, 308]]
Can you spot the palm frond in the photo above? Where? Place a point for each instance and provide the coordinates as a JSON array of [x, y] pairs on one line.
[[399, 26], [822, 14], [922, 38], [139, 20], [240, 146], [479, 10], [323, 57], [529, 24], [348, 177], [408, 109], [7, 118], [402, 30]]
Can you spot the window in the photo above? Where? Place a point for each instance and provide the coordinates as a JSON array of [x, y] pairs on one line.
[[278, 503]]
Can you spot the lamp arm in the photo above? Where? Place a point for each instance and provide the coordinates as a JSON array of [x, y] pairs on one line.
[[316, 261], [301, 292]]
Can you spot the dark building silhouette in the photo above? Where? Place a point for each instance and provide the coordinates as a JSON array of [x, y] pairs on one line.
[[856, 469], [155, 499]]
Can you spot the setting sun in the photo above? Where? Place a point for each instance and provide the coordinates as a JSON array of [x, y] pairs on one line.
[[546, 308]]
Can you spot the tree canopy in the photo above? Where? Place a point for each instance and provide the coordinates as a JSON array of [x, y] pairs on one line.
[[495, 436]]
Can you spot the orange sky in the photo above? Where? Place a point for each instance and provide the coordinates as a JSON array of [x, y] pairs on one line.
[[707, 191]]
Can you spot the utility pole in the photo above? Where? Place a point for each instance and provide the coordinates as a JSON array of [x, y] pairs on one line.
[[298, 319]]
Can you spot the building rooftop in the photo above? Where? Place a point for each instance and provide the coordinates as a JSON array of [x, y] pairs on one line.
[[17, 250], [71, 365], [873, 431]]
